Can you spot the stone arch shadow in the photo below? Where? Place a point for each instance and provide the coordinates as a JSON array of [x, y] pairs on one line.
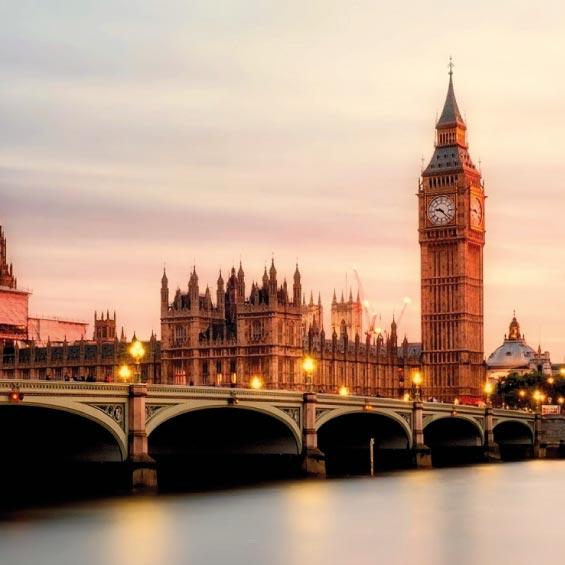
[[59, 449], [454, 439], [219, 443], [515, 439], [344, 436]]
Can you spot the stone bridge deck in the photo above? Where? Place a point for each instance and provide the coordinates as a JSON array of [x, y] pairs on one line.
[[131, 413]]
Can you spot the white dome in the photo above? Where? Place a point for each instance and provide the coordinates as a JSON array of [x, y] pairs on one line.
[[512, 354]]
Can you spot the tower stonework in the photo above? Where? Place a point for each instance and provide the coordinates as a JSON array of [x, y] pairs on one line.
[[452, 236]]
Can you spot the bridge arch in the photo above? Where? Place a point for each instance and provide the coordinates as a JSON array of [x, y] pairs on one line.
[[351, 437], [91, 413], [391, 414], [213, 442], [511, 430], [445, 418], [168, 413]]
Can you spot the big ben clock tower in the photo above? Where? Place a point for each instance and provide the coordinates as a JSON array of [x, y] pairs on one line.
[[452, 236]]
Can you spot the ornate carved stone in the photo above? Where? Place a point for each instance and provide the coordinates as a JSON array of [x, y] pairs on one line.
[[151, 410], [407, 416], [321, 411], [115, 411], [293, 412]]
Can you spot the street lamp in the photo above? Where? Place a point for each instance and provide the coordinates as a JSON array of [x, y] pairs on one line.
[[488, 388], [417, 382], [343, 391], [308, 366], [124, 372], [256, 383], [538, 398], [137, 351]]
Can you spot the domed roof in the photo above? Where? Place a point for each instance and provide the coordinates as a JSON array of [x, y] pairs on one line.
[[514, 352]]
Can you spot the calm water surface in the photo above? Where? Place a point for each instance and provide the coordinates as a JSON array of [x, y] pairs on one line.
[[490, 514]]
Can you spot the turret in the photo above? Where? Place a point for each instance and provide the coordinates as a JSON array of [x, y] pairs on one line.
[[193, 292], [296, 287], [220, 293], [164, 293], [240, 285], [272, 279]]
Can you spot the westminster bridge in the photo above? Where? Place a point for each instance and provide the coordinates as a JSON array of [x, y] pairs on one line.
[[142, 427]]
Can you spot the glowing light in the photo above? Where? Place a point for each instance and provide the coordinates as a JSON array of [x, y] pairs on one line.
[[407, 300], [456, 402], [488, 388], [417, 378], [406, 397], [343, 391], [522, 393], [136, 350], [562, 371], [124, 372], [560, 400], [366, 303], [256, 383], [378, 331], [550, 380], [537, 395], [308, 365]]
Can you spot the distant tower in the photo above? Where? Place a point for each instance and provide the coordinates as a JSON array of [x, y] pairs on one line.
[[104, 327], [164, 293], [7, 278], [350, 312], [452, 236], [296, 288]]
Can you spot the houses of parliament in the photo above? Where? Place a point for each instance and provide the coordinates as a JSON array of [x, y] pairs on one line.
[[240, 334]]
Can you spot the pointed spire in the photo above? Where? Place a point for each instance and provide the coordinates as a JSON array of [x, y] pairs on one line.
[[164, 279], [450, 114], [334, 299], [311, 298], [319, 299]]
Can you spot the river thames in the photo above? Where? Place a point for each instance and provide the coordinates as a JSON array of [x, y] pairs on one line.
[[487, 514]]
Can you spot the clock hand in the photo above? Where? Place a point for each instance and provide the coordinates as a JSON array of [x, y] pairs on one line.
[[440, 210]]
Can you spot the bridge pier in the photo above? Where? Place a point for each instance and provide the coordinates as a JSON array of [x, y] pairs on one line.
[[539, 444], [492, 449], [140, 467], [422, 453], [313, 460]]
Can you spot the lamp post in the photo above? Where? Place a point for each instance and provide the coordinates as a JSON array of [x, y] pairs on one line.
[[137, 351], [488, 388], [417, 383], [538, 398], [124, 372], [308, 366], [256, 382]]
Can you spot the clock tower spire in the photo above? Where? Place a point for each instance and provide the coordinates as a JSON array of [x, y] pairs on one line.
[[452, 235]]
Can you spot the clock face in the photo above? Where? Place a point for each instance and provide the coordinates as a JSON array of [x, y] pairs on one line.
[[441, 210], [476, 211]]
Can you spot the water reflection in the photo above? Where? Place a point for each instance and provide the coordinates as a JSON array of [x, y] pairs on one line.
[[490, 514]]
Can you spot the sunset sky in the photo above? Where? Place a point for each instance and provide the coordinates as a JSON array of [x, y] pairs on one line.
[[141, 133]]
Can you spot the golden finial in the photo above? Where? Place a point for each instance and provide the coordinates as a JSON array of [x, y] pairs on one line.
[[450, 66]]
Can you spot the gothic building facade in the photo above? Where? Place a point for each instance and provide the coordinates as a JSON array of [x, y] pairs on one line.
[[264, 335]]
